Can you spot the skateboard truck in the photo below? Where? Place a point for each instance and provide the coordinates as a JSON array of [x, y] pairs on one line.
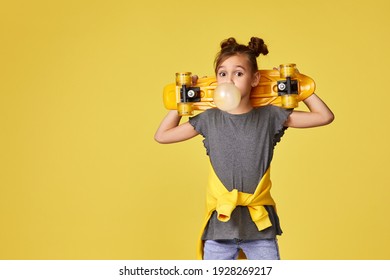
[[288, 88], [188, 95]]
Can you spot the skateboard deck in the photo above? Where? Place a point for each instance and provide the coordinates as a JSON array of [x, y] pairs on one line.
[[271, 90]]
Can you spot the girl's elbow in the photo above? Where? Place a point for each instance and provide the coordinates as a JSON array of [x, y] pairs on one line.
[[329, 118], [159, 139], [163, 139]]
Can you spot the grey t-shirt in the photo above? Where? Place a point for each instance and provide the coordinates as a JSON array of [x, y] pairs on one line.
[[241, 148]]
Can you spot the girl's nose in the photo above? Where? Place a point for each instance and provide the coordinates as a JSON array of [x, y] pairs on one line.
[[230, 79]]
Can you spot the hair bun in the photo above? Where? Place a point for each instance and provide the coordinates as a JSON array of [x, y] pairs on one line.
[[230, 47], [230, 42], [258, 46]]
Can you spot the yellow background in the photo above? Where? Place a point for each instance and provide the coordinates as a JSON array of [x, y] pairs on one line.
[[81, 97]]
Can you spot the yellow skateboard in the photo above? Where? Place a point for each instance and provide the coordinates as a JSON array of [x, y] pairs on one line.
[[284, 88]]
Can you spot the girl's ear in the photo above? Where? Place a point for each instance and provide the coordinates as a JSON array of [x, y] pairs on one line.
[[255, 79]]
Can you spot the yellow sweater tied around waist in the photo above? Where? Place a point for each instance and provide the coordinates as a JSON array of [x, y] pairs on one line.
[[219, 199]]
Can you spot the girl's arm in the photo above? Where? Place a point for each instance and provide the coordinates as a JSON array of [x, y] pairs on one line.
[[319, 114], [170, 131]]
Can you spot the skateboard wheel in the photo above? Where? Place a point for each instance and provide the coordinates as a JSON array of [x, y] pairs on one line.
[[185, 109], [289, 101], [183, 78], [287, 70]]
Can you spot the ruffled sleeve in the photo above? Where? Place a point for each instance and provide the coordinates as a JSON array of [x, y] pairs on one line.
[[279, 117], [200, 124]]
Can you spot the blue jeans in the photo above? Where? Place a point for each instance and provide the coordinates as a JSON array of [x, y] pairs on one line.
[[264, 249]]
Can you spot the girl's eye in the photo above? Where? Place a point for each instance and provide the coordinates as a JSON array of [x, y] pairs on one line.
[[239, 74], [222, 74]]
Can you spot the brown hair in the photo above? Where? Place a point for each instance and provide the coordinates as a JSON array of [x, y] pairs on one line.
[[230, 47]]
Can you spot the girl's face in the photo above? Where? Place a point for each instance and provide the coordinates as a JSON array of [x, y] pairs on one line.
[[237, 70]]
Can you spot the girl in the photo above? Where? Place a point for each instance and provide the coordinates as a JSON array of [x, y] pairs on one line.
[[240, 146]]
